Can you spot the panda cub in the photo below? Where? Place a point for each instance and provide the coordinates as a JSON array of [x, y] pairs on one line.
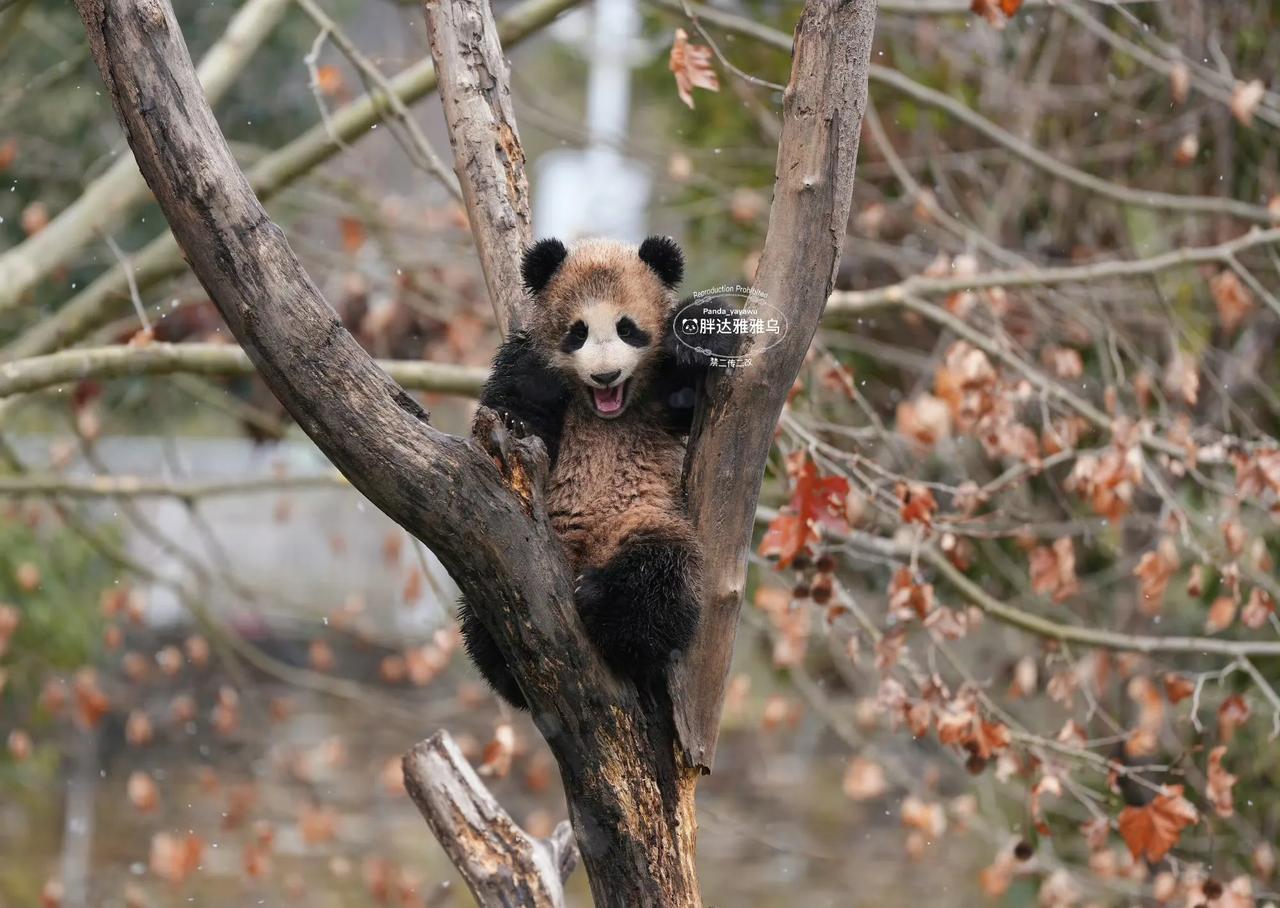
[[599, 376]]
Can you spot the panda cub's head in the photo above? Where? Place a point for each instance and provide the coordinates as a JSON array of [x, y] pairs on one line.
[[602, 313]]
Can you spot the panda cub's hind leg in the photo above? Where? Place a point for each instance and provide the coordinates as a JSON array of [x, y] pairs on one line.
[[486, 656], [641, 609]]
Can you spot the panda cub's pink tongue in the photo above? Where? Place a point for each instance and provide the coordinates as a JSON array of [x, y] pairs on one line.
[[608, 400]]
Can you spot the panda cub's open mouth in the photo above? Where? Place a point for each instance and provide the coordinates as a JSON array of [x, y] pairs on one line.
[[610, 402]]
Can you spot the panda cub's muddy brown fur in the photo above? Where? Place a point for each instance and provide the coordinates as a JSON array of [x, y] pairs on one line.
[[599, 376]]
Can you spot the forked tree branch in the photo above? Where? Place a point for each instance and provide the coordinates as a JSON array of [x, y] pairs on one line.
[[813, 190], [823, 109], [501, 863], [477, 503]]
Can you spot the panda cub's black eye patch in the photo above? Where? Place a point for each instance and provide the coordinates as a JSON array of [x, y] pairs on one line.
[[631, 333], [576, 337]]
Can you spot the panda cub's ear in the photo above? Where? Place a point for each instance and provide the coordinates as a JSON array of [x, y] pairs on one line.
[[663, 255], [541, 262]]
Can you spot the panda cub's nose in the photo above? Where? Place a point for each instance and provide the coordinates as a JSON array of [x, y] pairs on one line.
[[604, 378]]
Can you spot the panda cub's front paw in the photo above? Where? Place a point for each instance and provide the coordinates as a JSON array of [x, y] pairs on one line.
[[515, 425]]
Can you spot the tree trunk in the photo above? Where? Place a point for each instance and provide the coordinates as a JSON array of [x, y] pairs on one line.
[[629, 757], [812, 193], [631, 800]]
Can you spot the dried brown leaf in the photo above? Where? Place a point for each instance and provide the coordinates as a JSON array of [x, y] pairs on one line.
[[1233, 713], [1220, 783], [1245, 98], [1155, 828], [1234, 301], [691, 65], [864, 779]]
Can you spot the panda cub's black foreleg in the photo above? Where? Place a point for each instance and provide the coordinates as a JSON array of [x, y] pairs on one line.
[[531, 399], [641, 609], [530, 396], [687, 357]]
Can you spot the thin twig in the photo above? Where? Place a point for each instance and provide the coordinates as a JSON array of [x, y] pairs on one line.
[[317, 85], [740, 73], [418, 146], [134, 295], [857, 301]]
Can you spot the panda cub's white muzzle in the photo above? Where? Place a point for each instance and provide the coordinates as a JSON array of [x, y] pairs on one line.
[[605, 362]]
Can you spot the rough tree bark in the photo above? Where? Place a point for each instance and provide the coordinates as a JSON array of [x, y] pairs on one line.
[[813, 189], [478, 502], [475, 91], [502, 864]]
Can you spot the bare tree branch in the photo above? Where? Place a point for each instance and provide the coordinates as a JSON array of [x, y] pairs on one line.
[[1204, 79], [489, 161], [1099, 638], [1089, 636], [70, 366], [106, 296], [500, 862], [883, 75], [1128, 195], [813, 190], [122, 188], [853, 301], [36, 484]]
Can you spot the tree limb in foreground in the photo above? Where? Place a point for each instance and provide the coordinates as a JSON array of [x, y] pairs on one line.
[[501, 863], [822, 113], [477, 502]]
